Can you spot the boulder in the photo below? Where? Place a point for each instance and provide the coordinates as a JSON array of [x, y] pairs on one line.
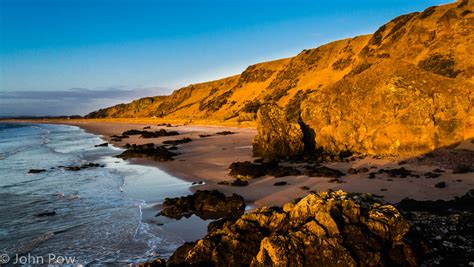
[[205, 204], [148, 151], [246, 170], [277, 137], [324, 229]]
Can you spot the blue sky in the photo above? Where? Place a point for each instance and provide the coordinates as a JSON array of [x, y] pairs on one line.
[[135, 48]]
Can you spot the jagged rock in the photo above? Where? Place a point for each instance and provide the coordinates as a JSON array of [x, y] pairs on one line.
[[324, 229], [277, 138], [205, 204], [322, 172], [147, 151], [36, 170]]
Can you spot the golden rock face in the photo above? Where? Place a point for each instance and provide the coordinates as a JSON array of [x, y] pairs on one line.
[[391, 108]]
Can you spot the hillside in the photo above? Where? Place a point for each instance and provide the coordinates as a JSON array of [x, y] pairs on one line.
[[413, 77]]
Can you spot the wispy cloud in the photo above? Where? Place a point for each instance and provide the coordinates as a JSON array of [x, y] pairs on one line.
[[68, 102]]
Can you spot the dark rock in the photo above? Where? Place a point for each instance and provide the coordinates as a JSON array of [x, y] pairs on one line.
[[280, 183], [400, 172], [147, 134], [246, 170], [177, 142], [336, 181], [239, 182], [372, 175], [36, 170], [103, 144], [440, 185], [83, 166], [165, 124], [432, 175], [356, 171], [462, 168], [198, 183], [225, 133], [148, 151], [323, 172], [47, 213], [445, 229], [205, 135], [304, 188], [146, 127], [223, 183], [205, 204], [324, 229]]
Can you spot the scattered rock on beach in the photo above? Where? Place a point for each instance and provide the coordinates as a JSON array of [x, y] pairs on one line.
[[322, 171], [356, 171], [148, 134], [225, 133], [440, 185], [399, 172], [239, 182], [205, 204], [149, 151], [246, 170], [32, 171], [178, 141], [280, 183]]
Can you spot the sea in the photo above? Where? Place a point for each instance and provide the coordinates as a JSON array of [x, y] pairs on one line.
[[102, 214]]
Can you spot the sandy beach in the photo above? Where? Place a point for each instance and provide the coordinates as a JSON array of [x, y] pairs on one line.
[[207, 160]]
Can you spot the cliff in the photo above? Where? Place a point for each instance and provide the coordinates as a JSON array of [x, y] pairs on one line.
[[405, 89]]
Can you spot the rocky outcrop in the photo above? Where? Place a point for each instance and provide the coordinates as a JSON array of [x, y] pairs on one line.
[[324, 229], [149, 151], [391, 108], [205, 204], [277, 137]]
